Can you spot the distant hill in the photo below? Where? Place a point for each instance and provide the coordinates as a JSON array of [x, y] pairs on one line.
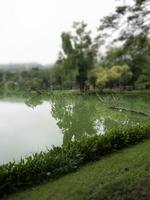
[[21, 66]]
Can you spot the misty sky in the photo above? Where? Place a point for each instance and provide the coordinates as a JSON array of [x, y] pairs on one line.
[[30, 29]]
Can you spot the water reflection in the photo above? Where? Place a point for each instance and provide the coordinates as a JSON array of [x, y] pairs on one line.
[[80, 116], [24, 130], [76, 118], [38, 122]]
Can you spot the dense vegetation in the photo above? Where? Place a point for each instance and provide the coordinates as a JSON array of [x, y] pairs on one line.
[[123, 175], [83, 64], [42, 167]]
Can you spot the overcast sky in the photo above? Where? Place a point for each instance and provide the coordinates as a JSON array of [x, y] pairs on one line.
[[30, 29]]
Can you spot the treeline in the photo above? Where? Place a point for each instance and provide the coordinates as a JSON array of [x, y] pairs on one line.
[[57, 78], [34, 79], [83, 64]]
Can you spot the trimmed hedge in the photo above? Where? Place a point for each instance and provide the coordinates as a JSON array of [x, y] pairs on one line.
[[46, 166]]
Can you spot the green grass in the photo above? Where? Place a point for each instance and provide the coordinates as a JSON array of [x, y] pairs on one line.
[[124, 175]]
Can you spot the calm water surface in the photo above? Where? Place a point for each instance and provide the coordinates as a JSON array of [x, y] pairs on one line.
[[24, 130], [32, 126]]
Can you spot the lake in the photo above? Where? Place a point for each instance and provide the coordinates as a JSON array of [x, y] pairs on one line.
[[33, 124]]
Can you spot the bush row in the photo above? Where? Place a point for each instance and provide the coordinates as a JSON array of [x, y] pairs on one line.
[[46, 166]]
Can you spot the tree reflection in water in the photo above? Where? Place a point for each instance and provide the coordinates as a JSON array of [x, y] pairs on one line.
[[78, 116]]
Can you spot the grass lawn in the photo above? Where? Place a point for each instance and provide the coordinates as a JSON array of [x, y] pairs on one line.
[[124, 175]]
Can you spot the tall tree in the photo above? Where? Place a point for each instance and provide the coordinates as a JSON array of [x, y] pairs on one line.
[[79, 51], [130, 27]]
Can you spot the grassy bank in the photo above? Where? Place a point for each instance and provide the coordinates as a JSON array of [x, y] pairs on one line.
[[50, 165], [124, 175]]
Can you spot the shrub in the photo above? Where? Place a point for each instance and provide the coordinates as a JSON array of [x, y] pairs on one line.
[[46, 166]]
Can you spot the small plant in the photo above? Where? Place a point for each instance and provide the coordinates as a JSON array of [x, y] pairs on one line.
[[46, 166], [109, 101]]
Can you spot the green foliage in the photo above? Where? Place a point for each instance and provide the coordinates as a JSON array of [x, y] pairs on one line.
[[9, 85], [132, 38], [66, 43], [120, 176], [114, 75], [79, 52], [49, 165]]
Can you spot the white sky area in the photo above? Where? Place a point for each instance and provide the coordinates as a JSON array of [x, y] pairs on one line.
[[30, 29]]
